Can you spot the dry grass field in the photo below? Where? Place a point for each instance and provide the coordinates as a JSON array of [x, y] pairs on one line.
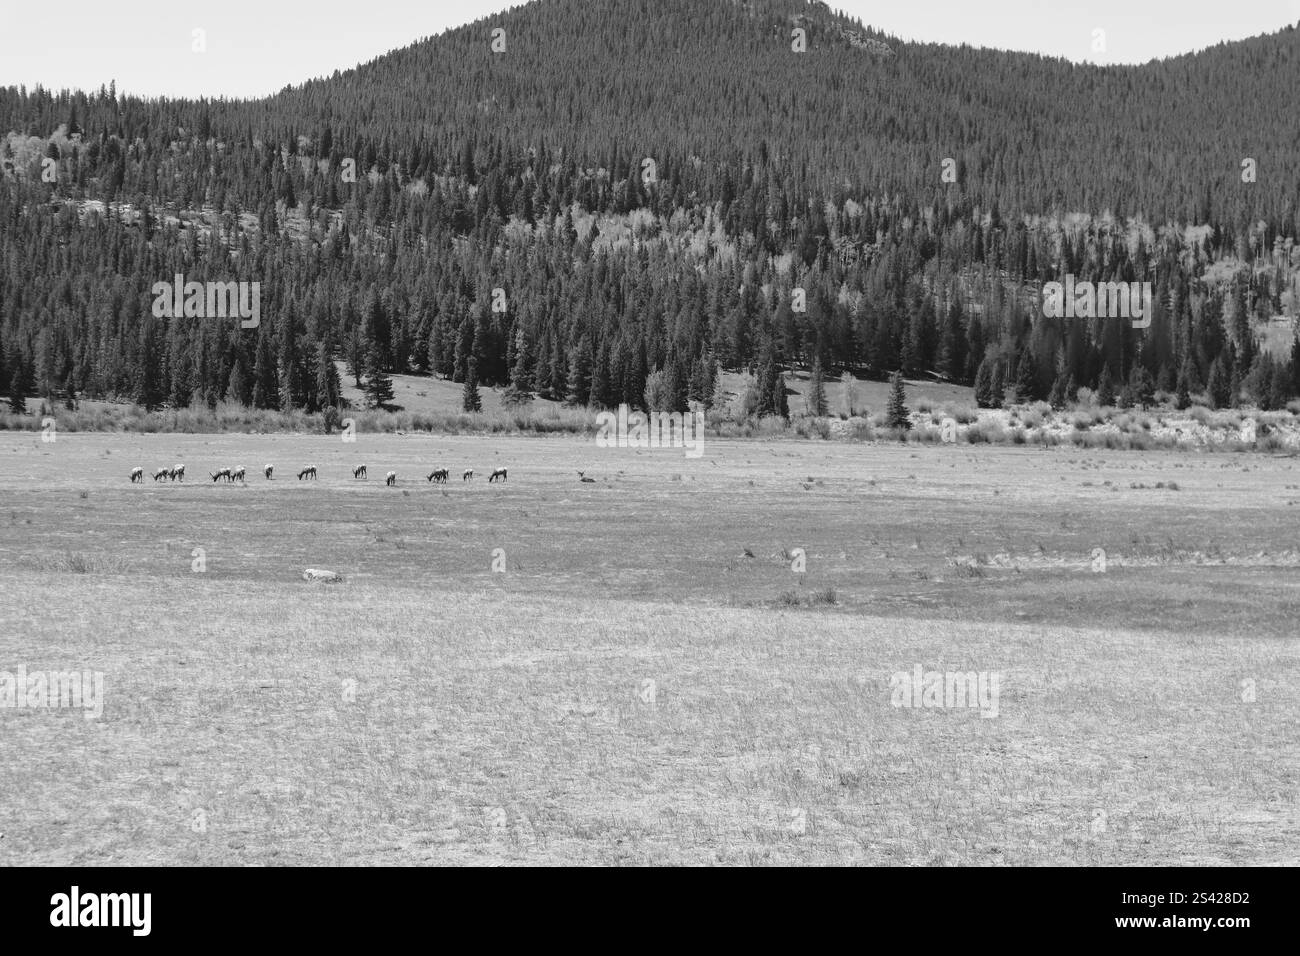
[[649, 677]]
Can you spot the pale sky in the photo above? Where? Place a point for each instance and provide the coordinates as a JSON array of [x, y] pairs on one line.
[[147, 45]]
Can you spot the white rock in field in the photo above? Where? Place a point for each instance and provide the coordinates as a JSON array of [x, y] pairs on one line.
[[318, 574]]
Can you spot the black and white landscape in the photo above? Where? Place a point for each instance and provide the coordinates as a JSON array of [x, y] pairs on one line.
[[673, 432]]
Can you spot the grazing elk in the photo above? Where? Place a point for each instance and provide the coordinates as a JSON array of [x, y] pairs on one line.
[[267, 471], [178, 473], [137, 475], [469, 473], [391, 478], [308, 472], [359, 471], [438, 475], [237, 474], [218, 475], [497, 473], [582, 476], [162, 473]]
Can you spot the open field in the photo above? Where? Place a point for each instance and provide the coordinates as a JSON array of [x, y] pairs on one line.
[[649, 680]]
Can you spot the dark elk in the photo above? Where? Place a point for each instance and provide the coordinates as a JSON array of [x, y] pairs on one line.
[[137, 475], [497, 473], [218, 475], [439, 475], [267, 471], [308, 472], [469, 473], [359, 471], [582, 476], [162, 473]]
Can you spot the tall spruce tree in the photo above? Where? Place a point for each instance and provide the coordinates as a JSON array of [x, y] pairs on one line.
[[377, 384], [816, 390], [896, 411], [469, 396]]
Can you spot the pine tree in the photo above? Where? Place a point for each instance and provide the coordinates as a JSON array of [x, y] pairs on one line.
[[984, 384], [469, 397], [1183, 391], [237, 383], [328, 387], [377, 384], [288, 386], [1057, 396], [1106, 388], [578, 390], [151, 389], [265, 394], [18, 384], [357, 357], [998, 388], [1142, 389], [816, 390], [1219, 385], [1027, 378], [780, 401], [896, 412], [601, 395]]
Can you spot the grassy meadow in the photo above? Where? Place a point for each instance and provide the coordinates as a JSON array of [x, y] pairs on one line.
[[683, 661]]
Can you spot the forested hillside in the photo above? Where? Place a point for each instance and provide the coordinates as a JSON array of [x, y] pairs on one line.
[[662, 185]]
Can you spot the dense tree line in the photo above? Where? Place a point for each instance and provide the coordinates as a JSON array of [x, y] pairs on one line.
[[659, 189]]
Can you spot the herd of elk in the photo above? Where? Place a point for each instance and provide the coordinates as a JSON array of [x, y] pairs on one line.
[[438, 475]]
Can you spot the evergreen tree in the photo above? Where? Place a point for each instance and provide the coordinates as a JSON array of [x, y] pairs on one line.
[[1142, 388], [469, 397], [998, 388], [265, 389], [780, 401], [601, 395], [152, 385], [578, 391], [377, 384], [1106, 388], [1057, 396], [984, 397], [1027, 378], [896, 412], [816, 390], [19, 384], [1219, 385], [329, 389], [1183, 392]]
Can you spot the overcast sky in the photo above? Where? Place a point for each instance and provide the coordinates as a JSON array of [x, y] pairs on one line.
[[146, 45]]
